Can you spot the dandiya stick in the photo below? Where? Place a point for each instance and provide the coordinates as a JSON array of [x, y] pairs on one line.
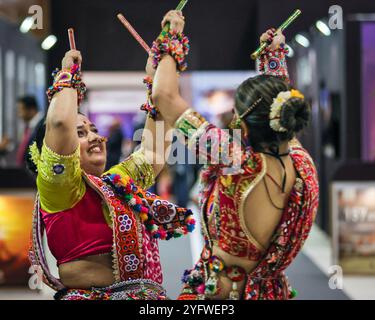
[[72, 41], [286, 23], [133, 32], [165, 30]]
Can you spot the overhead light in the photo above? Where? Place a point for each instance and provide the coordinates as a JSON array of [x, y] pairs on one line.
[[302, 40], [27, 24], [49, 42], [291, 51], [323, 28]]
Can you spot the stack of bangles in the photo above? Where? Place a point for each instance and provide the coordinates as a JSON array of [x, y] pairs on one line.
[[67, 78], [177, 46], [148, 106]]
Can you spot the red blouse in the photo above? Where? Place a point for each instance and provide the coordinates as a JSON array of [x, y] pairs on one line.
[[80, 231]]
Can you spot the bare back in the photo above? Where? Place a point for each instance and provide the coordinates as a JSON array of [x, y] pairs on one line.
[[261, 217]]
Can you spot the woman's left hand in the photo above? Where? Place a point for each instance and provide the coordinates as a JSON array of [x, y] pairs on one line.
[[274, 37]]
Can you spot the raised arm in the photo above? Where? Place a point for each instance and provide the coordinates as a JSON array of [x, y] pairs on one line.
[[61, 123], [166, 93], [144, 165], [211, 145], [59, 181], [157, 134], [273, 60]]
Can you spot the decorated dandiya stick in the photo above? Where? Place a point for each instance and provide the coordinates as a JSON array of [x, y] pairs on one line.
[[72, 41], [286, 23], [133, 32], [165, 30]]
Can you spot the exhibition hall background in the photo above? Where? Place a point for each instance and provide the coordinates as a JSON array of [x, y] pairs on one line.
[[334, 69]]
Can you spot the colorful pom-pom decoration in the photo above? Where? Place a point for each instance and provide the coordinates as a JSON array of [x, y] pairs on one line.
[[174, 44], [134, 199]]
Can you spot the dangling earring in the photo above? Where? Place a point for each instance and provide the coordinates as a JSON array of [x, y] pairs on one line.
[[246, 133], [235, 123]]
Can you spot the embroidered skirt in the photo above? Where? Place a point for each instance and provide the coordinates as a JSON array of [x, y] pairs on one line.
[[140, 289]]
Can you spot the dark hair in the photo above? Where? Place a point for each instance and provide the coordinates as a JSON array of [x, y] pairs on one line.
[[295, 113], [29, 102], [40, 132]]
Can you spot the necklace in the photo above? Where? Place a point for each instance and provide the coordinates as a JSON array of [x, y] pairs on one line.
[[274, 181], [269, 196], [275, 153]]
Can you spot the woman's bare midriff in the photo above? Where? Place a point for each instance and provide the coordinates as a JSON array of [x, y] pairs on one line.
[[87, 272]]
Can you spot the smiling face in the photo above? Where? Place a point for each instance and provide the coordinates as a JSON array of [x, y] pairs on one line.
[[93, 147]]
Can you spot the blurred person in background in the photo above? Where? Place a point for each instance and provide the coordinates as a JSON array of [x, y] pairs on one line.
[[4, 146], [255, 217], [183, 173], [28, 112], [102, 227]]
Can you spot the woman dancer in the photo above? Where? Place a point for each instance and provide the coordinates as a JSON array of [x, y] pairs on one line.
[[258, 213], [102, 227]]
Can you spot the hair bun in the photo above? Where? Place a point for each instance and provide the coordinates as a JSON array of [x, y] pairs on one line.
[[295, 114]]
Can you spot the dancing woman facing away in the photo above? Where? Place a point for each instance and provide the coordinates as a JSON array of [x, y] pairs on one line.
[[256, 217], [102, 227]]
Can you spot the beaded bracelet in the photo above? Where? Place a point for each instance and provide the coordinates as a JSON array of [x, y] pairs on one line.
[[67, 79], [150, 109], [174, 44]]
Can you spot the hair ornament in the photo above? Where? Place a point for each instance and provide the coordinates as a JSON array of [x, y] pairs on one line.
[[251, 108], [276, 106]]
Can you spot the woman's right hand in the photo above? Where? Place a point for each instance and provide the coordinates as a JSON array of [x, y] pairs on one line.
[[176, 20], [4, 143], [71, 57]]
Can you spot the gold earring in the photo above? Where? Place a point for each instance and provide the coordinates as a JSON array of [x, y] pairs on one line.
[[236, 123]]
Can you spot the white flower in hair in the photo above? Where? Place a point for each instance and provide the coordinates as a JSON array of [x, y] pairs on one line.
[[284, 95], [276, 126], [275, 113]]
